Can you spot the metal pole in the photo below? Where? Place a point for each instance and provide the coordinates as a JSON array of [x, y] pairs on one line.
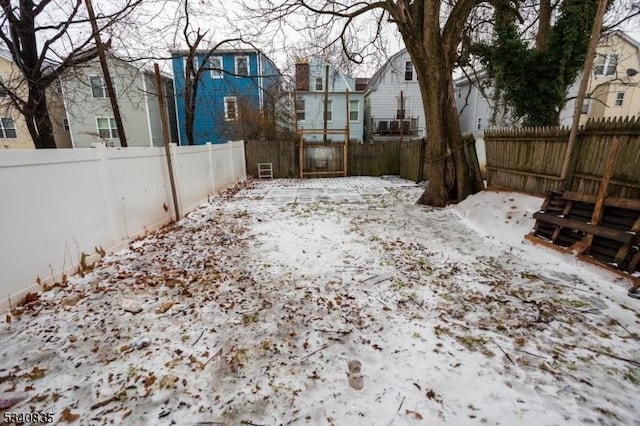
[[165, 136], [326, 102], [107, 76], [588, 63]]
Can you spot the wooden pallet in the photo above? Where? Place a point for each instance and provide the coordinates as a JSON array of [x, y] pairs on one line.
[[567, 220]]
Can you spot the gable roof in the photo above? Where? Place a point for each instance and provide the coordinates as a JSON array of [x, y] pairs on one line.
[[377, 76]]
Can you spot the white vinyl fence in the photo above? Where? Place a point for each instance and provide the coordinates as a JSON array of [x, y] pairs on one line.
[[56, 205]]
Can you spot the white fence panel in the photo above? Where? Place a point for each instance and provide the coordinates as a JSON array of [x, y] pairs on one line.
[[59, 204]]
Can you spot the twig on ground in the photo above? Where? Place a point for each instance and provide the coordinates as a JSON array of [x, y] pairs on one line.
[[400, 406], [103, 403], [198, 339], [531, 353], [343, 332], [214, 355], [323, 347], [381, 302], [619, 358], [635, 336], [503, 351], [250, 423]]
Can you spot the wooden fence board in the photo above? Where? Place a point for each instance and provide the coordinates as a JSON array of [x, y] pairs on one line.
[[363, 159], [530, 159]]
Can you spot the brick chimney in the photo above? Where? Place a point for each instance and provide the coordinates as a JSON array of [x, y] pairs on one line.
[[302, 76]]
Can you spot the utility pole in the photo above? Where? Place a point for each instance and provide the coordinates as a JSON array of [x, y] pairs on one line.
[[326, 102], [107, 76], [588, 64]]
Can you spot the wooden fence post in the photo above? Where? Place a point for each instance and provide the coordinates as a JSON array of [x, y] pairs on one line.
[[585, 244]]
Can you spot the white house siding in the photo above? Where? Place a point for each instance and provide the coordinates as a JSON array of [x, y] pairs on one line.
[[314, 108], [83, 109], [155, 120], [383, 92], [474, 111], [314, 104]]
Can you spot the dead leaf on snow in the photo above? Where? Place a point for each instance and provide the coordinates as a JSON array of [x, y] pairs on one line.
[[168, 382], [67, 416], [414, 414], [164, 307]]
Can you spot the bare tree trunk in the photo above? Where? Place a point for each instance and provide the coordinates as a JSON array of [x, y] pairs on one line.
[[544, 25], [37, 118], [447, 165]]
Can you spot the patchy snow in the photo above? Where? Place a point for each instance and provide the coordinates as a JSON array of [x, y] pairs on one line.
[[333, 301]]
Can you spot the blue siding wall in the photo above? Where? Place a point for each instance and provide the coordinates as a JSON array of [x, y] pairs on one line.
[[210, 124]]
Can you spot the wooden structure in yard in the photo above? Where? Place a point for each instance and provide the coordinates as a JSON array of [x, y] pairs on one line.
[[530, 159], [606, 229], [326, 158]]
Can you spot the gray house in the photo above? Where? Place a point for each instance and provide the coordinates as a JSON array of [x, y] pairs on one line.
[[344, 102], [90, 118], [393, 103]]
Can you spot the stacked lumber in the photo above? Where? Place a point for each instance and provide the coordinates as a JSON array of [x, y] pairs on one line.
[[606, 229]]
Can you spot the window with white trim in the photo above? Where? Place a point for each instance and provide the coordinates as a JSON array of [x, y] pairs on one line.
[[606, 64], [3, 91], [585, 106], [619, 99], [319, 85], [99, 87], [329, 110], [230, 108], [107, 128], [242, 65], [479, 123], [354, 110], [65, 124], [7, 128], [408, 71], [58, 86], [300, 110], [215, 64]]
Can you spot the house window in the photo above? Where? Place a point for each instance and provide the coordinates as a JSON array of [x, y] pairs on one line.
[[99, 87], [585, 106], [354, 110], [230, 108], [606, 64], [479, 123], [7, 128], [408, 71], [3, 90], [300, 113], [619, 99], [242, 65], [215, 64], [319, 84], [65, 124], [107, 128], [58, 86], [329, 110]]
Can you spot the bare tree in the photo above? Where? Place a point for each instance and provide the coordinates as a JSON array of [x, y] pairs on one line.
[[45, 39]]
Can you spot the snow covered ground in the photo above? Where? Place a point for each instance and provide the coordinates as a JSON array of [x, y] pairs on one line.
[[332, 302]]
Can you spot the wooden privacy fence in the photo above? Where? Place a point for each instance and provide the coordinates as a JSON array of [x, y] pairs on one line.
[[530, 159], [363, 159]]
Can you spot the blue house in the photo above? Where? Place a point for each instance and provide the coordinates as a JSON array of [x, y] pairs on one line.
[[236, 94]]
